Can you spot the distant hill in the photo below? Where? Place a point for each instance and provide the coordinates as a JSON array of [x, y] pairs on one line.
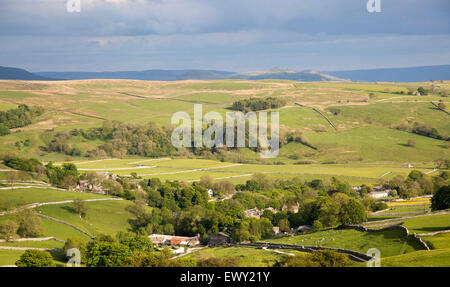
[[177, 75], [148, 75], [412, 74], [285, 74], [9, 73]]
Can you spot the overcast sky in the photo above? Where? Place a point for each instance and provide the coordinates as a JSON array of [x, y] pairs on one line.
[[232, 35]]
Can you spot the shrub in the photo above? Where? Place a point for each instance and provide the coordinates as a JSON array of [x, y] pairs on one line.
[[107, 254], [219, 262], [78, 243], [35, 258], [4, 130], [411, 143], [441, 199], [257, 104], [320, 258]]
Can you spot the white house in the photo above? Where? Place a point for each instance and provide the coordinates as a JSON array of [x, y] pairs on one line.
[[379, 194]]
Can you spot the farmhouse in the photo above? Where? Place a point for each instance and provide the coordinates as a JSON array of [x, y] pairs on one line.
[[379, 194], [86, 186], [276, 230], [254, 212], [293, 208], [161, 239], [218, 239]]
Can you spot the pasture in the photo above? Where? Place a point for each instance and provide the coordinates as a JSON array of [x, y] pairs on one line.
[[102, 217], [248, 257], [367, 113], [193, 169], [19, 197], [390, 243]]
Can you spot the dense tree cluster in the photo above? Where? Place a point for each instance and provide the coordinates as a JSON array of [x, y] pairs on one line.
[[35, 258], [416, 184], [23, 224], [64, 176], [421, 129], [258, 104], [148, 140], [182, 209], [19, 117], [441, 199]]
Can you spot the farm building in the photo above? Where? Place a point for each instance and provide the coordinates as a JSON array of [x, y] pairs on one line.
[[218, 239], [254, 212], [379, 194], [161, 239]]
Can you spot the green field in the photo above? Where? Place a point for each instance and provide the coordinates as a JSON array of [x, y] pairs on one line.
[[194, 169], [404, 209], [107, 217], [50, 244], [389, 243], [9, 257], [364, 123], [18, 197], [426, 224], [432, 258], [248, 257]]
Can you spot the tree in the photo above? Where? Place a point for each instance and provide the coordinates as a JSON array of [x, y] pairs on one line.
[[415, 175], [78, 243], [35, 258], [284, 225], [441, 106], [422, 91], [411, 143], [11, 177], [29, 224], [330, 258], [69, 182], [317, 225], [136, 242], [441, 199], [206, 181], [80, 207], [112, 187], [9, 230], [352, 212], [4, 130], [319, 258], [107, 254]]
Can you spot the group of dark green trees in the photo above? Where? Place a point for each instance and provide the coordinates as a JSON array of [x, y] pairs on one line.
[[19, 117], [258, 104]]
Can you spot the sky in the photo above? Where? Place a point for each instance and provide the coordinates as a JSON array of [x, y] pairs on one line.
[[229, 35]]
